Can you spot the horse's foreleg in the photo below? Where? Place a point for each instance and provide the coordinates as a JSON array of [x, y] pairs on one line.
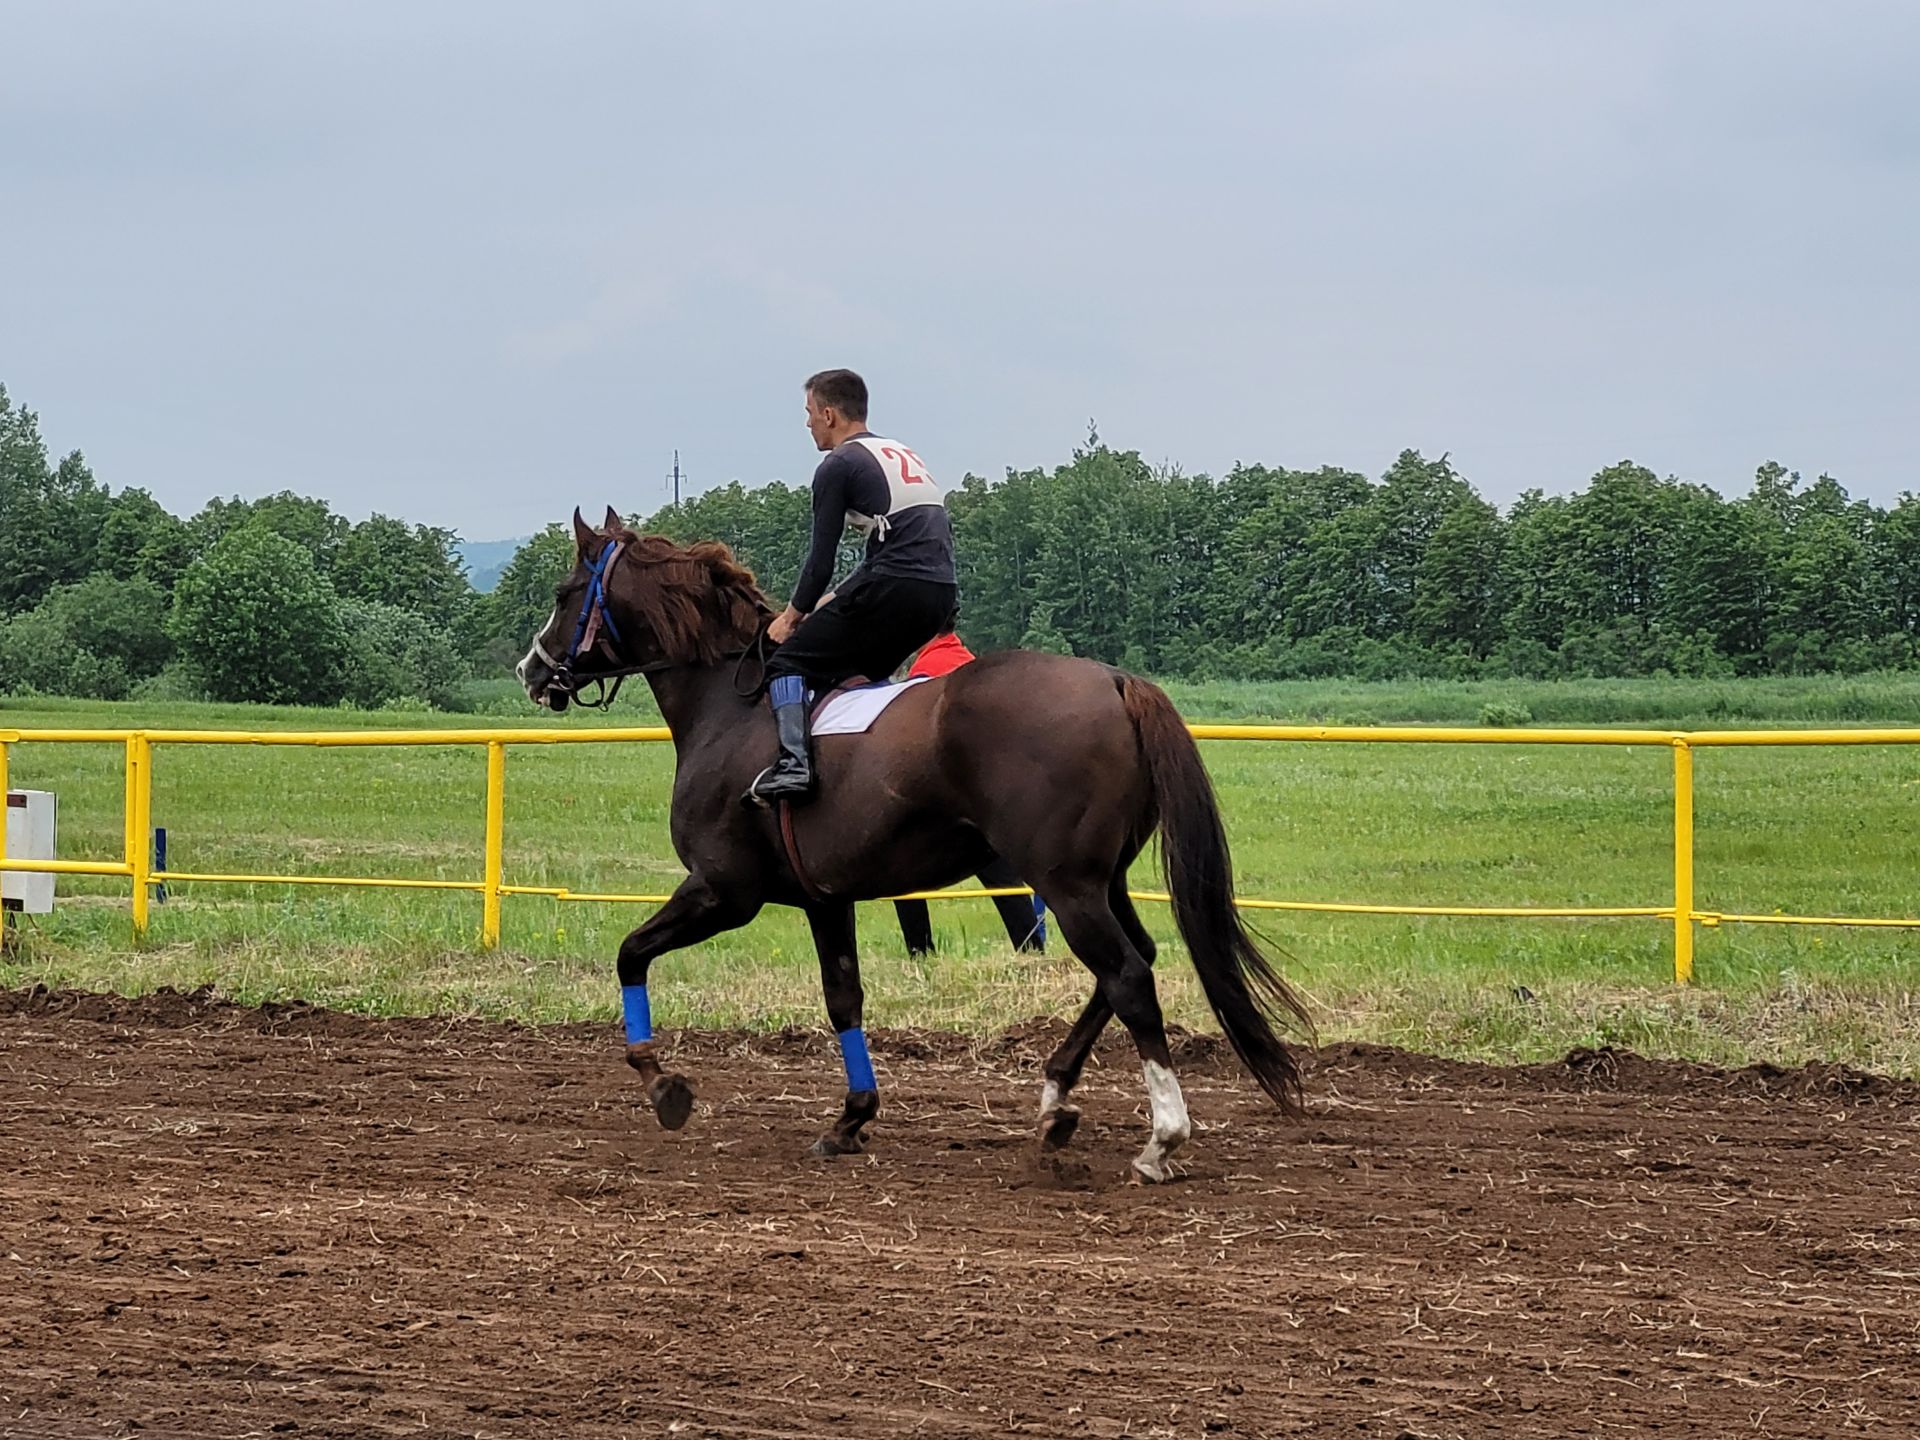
[[695, 912], [833, 938]]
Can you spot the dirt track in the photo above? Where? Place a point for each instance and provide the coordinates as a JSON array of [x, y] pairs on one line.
[[216, 1221]]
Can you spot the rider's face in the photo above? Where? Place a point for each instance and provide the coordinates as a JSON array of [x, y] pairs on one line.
[[820, 423]]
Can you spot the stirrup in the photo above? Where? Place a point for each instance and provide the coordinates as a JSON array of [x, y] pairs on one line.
[[801, 787]]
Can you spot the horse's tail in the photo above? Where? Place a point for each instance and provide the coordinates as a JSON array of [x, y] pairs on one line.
[[1247, 994]]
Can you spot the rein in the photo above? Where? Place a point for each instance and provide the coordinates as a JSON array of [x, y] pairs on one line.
[[758, 650]]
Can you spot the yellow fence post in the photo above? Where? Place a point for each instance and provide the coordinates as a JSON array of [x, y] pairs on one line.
[[496, 842], [3, 799], [140, 828], [126, 805], [1682, 862]]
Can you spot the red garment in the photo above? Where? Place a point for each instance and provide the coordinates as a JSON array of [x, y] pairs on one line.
[[941, 655]]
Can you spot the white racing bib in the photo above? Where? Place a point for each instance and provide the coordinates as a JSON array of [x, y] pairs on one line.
[[909, 484]]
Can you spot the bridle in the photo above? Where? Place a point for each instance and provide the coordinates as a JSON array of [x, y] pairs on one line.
[[596, 627]]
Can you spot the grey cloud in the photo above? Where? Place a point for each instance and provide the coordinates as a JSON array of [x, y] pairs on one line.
[[473, 262]]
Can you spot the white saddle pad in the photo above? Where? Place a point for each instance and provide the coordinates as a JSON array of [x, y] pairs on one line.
[[852, 712]]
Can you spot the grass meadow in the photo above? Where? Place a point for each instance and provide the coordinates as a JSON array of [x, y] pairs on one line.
[[1808, 831]]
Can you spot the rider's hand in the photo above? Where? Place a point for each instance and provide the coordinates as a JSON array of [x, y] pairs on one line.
[[784, 624]]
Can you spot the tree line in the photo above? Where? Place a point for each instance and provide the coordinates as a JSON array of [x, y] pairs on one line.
[[104, 594], [1271, 573], [1264, 573]]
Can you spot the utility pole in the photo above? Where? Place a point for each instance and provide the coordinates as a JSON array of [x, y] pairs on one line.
[[676, 477]]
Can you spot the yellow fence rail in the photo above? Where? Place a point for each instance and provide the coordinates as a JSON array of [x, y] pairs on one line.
[[139, 746]]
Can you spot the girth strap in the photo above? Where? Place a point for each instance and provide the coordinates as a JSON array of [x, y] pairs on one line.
[[792, 845]]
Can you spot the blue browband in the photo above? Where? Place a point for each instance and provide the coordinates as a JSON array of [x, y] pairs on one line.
[[595, 603]]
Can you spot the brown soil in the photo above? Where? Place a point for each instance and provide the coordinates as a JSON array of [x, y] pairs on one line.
[[220, 1221]]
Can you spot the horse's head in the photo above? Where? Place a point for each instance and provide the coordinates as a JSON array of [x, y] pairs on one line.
[[563, 656], [635, 603]]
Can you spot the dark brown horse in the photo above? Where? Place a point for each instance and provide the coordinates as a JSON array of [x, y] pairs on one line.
[[1064, 767]]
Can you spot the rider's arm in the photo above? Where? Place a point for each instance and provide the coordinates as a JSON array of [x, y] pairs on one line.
[[829, 519]]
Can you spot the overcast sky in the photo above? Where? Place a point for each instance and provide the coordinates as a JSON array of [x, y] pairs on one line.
[[472, 263]]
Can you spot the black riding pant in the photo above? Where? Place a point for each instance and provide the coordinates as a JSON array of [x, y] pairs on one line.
[[872, 624]]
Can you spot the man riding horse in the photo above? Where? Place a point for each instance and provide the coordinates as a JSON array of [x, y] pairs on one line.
[[1064, 768], [901, 595]]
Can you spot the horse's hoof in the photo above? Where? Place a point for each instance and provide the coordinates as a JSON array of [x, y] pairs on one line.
[[1057, 1127], [672, 1099], [1150, 1170], [828, 1146]]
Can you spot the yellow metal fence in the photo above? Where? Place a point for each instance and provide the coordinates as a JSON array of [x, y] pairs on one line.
[[138, 868]]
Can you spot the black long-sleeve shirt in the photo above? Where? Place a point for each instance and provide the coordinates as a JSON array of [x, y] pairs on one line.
[[879, 487]]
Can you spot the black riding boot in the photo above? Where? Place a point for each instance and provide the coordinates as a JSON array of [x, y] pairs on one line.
[[791, 776]]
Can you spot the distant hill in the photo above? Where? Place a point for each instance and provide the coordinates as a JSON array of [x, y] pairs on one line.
[[486, 559]]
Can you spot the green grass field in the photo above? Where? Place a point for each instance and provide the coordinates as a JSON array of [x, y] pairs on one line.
[[1814, 831]]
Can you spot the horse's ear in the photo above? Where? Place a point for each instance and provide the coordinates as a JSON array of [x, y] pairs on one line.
[[613, 521], [583, 536]]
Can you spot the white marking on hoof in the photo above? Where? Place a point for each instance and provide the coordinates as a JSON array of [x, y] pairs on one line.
[[1050, 1097], [1170, 1124], [1150, 1165]]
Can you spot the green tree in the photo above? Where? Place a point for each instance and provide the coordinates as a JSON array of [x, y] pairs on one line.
[[995, 553], [50, 515], [1413, 501], [1266, 520], [255, 620], [1828, 601], [768, 529], [394, 654], [94, 640], [1898, 541], [1716, 595], [308, 522], [138, 536], [1458, 595], [413, 567]]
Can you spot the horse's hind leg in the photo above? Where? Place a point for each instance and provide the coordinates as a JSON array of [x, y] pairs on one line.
[[1058, 1120], [1126, 981], [695, 912], [834, 940]]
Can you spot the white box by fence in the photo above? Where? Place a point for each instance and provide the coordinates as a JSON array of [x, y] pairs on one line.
[[30, 836]]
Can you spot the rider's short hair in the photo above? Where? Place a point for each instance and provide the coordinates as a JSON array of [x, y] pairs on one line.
[[840, 390]]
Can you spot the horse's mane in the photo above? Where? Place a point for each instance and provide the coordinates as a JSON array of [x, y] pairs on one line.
[[698, 600]]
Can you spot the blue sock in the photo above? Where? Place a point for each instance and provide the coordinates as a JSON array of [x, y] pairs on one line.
[[853, 1049], [633, 1001], [787, 690]]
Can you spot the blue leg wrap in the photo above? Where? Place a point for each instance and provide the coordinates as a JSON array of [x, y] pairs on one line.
[[633, 1001], [853, 1049], [785, 690]]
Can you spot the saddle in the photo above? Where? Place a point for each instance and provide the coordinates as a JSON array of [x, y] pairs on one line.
[[851, 707]]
